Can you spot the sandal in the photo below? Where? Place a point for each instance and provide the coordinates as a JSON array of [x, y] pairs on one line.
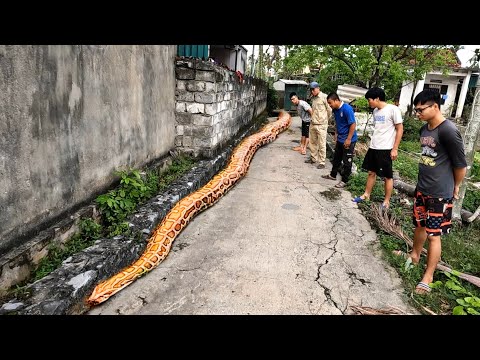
[[359, 199], [423, 287], [329, 177]]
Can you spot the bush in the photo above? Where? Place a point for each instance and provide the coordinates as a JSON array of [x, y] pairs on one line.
[[361, 105], [411, 129], [272, 100]]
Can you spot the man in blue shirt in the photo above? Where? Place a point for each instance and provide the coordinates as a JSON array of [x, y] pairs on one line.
[[345, 139]]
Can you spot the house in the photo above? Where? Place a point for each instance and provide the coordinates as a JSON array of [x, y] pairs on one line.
[[233, 57], [284, 87], [453, 87]]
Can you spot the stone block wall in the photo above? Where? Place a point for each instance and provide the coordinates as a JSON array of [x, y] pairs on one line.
[[212, 105]]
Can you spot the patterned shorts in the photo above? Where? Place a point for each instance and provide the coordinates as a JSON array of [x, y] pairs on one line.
[[434, 214]]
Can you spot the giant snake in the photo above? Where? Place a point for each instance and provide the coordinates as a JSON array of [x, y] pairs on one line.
[[176, 220]]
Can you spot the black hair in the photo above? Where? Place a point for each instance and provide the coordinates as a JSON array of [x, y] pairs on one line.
[[426, 96], [293, 94], [333, 96], [374, 93]]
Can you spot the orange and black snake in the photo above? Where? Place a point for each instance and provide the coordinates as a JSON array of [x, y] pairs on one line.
[[161, 240]]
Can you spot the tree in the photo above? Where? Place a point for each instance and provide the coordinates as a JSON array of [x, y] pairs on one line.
[[386, 66], [470, 139]]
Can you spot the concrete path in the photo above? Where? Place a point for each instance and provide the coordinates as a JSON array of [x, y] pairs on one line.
[[274, 244]]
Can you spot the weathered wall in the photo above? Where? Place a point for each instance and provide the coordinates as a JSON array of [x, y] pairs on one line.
[[213, 104], [71, 115]]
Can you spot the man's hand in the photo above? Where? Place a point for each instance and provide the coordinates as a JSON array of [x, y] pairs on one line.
[[394, 154], [347, 143], [456, 192]]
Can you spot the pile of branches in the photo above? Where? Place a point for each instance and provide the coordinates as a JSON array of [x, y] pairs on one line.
[[389, 224], [365, 310]]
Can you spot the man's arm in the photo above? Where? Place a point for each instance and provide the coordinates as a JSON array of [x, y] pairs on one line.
[[351, 130], [458, 175], [398, 138]]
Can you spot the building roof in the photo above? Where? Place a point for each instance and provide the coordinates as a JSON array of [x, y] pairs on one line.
[[294, 82]]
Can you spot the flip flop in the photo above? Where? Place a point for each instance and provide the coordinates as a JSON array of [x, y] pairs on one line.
[[359, 199], [304, 153], [422, 286], [409, 264], [408, 260]]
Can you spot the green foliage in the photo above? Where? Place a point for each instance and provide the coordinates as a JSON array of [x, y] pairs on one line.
[[386, 66], [135, 188], [361, 104], [475, 171], [179, 166], [272, 100], [471, 201], [118, 203], [468, 303], [411, 129], [57, 253], [461, 248], [89, 229], [411, 146], [407, 167]]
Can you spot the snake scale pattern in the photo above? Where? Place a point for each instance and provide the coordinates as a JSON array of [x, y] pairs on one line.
[[178, 217]]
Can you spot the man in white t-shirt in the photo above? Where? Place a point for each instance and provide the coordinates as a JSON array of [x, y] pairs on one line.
[[384, 144]]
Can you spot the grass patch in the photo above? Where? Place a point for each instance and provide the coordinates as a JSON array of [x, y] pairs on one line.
[[407, 167], [411, 146], [460, 248], [89, 232]]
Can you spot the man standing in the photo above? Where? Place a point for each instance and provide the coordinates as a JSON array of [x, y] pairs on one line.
[[384, 144], [305, 112], [318, 126], [441, 170], [345, 139]]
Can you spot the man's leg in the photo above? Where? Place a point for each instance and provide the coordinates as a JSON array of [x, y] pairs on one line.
[[302, 143], [433, 257], [322, 144], [386, 164], [372, 177], [347, 160], [313, 135], [388, 192], [419, 238], [437, 222], [305, 134], [337, 159]]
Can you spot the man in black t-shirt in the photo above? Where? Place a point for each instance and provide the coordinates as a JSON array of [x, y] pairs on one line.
[[441, 170]]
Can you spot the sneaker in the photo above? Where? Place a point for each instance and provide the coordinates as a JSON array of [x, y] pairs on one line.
[[329, 177], [309, 161], [321, 166], [340, 185]]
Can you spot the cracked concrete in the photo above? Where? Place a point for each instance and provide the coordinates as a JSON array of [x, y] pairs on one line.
[[274, 244]]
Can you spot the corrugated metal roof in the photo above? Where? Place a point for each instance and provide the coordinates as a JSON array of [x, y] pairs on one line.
[[348, 93], [295, 82]]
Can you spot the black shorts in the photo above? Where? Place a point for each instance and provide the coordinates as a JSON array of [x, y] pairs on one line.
[[305, 128], [378, 161]]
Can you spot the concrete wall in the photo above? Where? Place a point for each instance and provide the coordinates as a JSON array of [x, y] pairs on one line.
[[212, 105], [71, 115]]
